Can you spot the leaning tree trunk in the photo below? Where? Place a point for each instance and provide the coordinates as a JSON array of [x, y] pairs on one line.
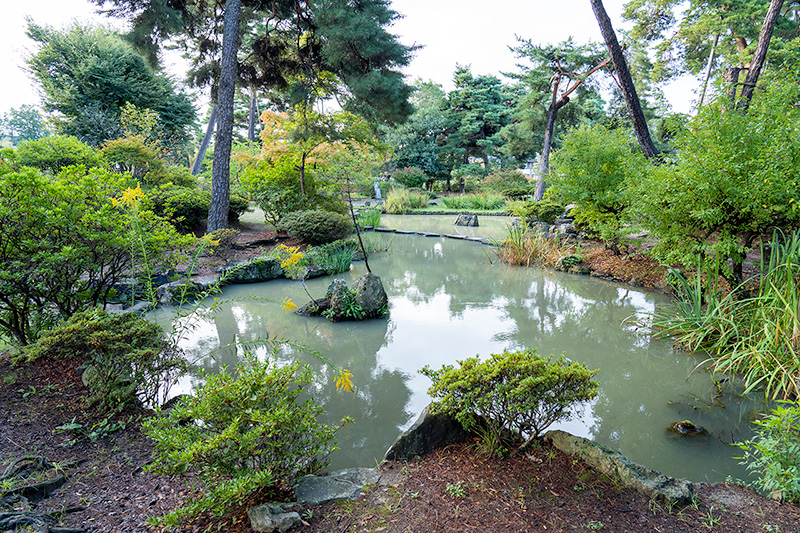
[[544, 157], [201, 153], [760, 54], [625, 81], [220, 177]]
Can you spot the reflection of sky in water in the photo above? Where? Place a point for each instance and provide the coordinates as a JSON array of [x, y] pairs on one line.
[[448, 302]]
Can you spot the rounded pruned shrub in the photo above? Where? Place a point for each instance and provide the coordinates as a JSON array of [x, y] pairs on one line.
[[512, 395], [316, 226], [186, 207], [241, 433]]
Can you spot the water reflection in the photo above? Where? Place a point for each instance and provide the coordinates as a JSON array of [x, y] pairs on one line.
[[449, 302]]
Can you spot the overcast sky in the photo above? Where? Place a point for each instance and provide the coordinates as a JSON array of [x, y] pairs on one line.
[[451, 32]]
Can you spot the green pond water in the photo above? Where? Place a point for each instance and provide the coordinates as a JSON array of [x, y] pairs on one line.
[[449, 299]]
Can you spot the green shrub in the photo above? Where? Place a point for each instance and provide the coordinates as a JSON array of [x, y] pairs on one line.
[[316, 226], [127, 357], [403, 201], [515, 394], [542, 211], [517, 193], [53, 153], [774, 453], [500, 180], [241, 433], [410, 177], [188, 207], [369, 217]]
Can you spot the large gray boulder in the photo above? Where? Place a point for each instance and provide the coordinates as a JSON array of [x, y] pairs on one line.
[[271, 517], [428, 433], [467, 220], [337, 294], [370, 294], [252, 271], [340, 485], [653, 484]]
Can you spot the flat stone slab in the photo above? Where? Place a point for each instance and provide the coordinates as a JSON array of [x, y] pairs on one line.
[[405, 232], [428, 234], [651, 483], [453, 236], [340, 485], [381, 229]]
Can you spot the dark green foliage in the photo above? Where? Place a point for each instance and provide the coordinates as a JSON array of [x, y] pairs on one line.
[[51, 154], [515, 394], [517, 193], [410, 177], [316, 226], [188, 207], [774, 453], [542, 211], [240, 433], [142, 160], [127, 357], [88, 74]]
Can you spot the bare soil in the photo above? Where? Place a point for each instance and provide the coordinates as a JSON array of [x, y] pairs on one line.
[[454, 489]]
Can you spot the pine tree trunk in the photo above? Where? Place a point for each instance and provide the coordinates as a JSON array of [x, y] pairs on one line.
[[625, 81], [251, 128], [220, 177], [731, 77], [201, 153], [544, 156], [760, 54]]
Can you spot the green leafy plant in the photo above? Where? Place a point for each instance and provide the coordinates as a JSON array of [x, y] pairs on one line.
[[187, 207], [369, 217], [127, 357], [241, 433], [523, 246], [774, 452], [542, 211], [487, 201], [410, 177], [517, 395], [502, 180], [316, 226], [456, 490]]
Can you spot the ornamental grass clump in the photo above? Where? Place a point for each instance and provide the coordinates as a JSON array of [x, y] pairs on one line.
[[403, 201], [523, 246], [486, 201], [512, 396], [240, 433]]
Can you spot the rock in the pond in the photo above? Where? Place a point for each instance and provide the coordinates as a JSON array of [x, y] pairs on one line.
[[252, 271], [686, 427], [338, 296], [270, 517], [467, 220], [370, 295]]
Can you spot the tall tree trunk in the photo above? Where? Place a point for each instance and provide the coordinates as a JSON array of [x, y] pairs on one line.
[[731, 77], [760, 54], [201, 153], [544, 157], [625, 81], [251, 127], [302, 169], [220, 176]]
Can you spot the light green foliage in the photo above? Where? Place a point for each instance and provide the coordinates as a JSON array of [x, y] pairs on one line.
[[593, 169], [240, 433], [23, 124], [127, 357], [63, 244], [501, 180], [369, 217], [55, 153], [486, 201], [316, 226], [735, 177], [456, 490], [88, 74], [516, 394], [351, 309], [774, 452], [523, 246], [402, 201]]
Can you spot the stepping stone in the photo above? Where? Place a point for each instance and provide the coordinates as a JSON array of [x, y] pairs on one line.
[[384, 230], [451, 236]]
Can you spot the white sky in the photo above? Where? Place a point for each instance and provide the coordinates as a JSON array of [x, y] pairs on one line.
[[452, 32]]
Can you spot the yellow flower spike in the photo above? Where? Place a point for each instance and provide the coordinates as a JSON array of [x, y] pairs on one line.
[[288, 305], [130, 197], [344, 381]]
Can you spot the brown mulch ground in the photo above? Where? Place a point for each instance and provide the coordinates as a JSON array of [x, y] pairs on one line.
[[452, 490]]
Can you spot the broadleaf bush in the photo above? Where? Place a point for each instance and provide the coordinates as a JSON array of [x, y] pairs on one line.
[[316, 226], [516, 395], [241, 433]]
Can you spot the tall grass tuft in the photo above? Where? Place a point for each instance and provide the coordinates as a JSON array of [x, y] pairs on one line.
[[402, 201], [524, 247], [369, 217], [757, 337], [487, 201]]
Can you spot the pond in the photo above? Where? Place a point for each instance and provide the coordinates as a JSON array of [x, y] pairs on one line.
[[451, 299]]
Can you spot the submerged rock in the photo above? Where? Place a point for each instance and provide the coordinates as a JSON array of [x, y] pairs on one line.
[[686, 427]]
